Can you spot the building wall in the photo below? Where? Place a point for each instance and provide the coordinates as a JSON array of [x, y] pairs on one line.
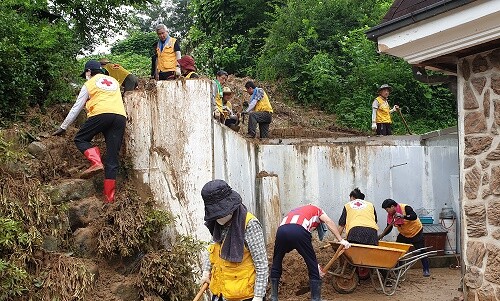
[[176, 147], [479, 107]]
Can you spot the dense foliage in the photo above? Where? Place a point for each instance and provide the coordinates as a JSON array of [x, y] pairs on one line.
[[321, 54]]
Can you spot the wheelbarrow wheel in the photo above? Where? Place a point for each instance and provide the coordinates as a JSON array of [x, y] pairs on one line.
[[345, 285]]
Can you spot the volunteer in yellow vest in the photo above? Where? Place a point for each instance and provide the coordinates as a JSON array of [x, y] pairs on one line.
[[188, 68], [127, 80], [409, 226], [220, 79], [164, 64], [101, 97], [359, 219], [259, 111], [381, 111], [236, 268]]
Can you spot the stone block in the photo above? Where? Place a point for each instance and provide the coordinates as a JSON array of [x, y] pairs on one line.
[[495, 180], [471, 185], [495, 83], [71, 189], [475, 217], [478, 83], [492, 271], [469, 161], [486, 104], [477, 145], [465, 68], [474, 122], [479, 64], [470, 100], [473, 277], [493, 211], [475, 253]]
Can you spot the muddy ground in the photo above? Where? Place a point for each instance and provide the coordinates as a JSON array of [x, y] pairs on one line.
[[443, 285]]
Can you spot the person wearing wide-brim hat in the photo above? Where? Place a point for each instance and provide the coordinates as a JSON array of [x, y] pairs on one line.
[[188, 68], [224, 111], [238, 246], [381, 111], [101, 97], [127, 80]]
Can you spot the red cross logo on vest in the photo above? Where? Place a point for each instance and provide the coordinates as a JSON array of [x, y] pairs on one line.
[[357, 204], [107, 83]]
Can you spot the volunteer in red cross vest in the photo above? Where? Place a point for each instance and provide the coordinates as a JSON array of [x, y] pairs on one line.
[[127, 80], [236, 268], [164, 64], [409, 226], [101, 97], [381, 111], [359, 219], [294, 233]]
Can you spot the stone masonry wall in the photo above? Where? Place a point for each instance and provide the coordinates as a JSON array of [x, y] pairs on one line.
[[479, 111]]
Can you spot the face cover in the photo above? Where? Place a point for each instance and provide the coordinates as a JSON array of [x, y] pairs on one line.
[[223, 220]]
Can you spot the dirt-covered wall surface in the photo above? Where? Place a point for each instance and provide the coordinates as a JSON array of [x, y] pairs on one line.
[[176, 148], [479, 107]]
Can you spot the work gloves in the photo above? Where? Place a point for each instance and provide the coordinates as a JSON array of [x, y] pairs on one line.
[[398, 215], [345, 243], [395, 108], [257, 299], [59, 132], [374, 126]]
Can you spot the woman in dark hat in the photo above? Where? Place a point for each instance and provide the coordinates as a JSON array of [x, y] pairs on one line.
[[237, 265]]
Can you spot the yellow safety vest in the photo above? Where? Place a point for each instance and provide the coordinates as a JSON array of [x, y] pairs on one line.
[[117, 71], [166, 60], [105, 96], [264, 105], [359, 214], [409, 228], [383, 111], [234, 280]]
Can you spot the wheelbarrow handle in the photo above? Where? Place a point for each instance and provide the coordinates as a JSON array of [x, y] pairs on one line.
[[202, 290], [337, 254]]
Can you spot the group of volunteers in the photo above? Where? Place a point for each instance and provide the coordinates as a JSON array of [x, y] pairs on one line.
[[236, 267], [101, 96]]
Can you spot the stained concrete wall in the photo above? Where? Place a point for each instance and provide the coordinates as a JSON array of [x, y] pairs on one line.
[[479, 114], [176, 147]]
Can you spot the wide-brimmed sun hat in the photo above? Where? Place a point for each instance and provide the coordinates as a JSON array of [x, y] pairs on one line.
[[227, 90], [220, 199], [384, 86], [187, 62]]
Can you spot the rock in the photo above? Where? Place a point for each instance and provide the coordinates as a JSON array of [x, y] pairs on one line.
[[475, 216], [479, 64], [465, 68], [71, 189], [495, 180], [85, 242], [470, 101], [478, 83], [473, 277], [475, 253], [495, 83], [469, 161], [126, 290], [493, 211], [471, 185], [82, 213], [486, 104], [37, 149], [474, 122], [50, 243], [477, 145]]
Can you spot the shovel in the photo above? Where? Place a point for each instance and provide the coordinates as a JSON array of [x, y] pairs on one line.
[[337, 254], [202, 290]]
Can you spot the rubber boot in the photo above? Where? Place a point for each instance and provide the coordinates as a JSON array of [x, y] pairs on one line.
[[274, 289], [109, 190], [315, 290], [94, 156]]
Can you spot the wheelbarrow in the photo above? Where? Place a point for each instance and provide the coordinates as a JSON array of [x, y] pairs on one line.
[[388, 263]]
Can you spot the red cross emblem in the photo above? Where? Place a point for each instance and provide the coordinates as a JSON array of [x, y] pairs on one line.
[[358, 204], [106, 82]]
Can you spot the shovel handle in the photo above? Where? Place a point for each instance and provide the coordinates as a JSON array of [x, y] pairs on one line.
[[339, 252], [202, 290]]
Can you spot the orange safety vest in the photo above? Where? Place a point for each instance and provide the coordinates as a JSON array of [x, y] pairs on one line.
[[409, 228]]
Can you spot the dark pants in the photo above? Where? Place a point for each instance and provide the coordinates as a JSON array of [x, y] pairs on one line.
[[130, 83], [418, 242], [112, 126], [261, 118], [294, 237], [384, 129], [215, 298]]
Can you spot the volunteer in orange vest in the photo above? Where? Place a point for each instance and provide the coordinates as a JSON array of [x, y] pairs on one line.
[[236, 268], [127, 80], [188, 68], [359, 219], [381, 111], [259, 111], [409, 226], [294, 233], [102, 99], [164, 64]]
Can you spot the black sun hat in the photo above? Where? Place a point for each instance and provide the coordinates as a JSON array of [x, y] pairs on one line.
[[220, 199]]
